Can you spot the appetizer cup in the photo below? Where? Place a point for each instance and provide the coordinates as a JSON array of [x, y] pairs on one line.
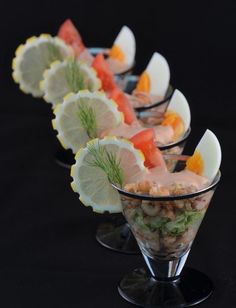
[[155, 109], [165, 228], [115, 234]]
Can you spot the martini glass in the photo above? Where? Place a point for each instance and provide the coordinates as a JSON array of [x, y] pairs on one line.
[[115, 233], [165, 228]]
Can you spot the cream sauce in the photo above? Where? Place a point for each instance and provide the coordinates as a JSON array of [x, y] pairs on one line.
[[163, 177], [163, 134]]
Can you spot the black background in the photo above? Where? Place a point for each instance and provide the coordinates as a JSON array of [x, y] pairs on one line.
[[49, 256]]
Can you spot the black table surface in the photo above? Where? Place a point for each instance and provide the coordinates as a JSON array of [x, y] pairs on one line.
[[49, 256]]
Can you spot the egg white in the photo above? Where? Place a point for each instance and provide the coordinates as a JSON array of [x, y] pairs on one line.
[[126, 41], [159, 73], [179, 104], [210, 151]]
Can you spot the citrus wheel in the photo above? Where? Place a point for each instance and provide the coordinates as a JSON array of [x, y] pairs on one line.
[[100, 163], [84, 116], [33, 57], [65, 77]]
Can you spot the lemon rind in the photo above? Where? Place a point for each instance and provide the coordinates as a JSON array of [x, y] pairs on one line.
[[19, 57]]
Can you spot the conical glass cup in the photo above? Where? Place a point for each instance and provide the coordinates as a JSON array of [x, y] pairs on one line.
[[165, 228], [115, 233]]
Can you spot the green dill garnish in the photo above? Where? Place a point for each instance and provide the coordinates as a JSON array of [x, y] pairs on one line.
[[87, 118], [74, 76], [54, 53], [107, 162]]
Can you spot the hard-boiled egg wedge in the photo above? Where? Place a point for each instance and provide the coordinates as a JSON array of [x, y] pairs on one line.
[[178, 114], [124, 47], [155, 79], [207, 156]]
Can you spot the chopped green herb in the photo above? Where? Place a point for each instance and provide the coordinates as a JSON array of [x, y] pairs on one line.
[[87, 118], [54, 53], [74, 76], [108, 162]]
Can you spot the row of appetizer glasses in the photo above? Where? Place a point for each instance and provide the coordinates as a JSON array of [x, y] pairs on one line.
[[164, 282]]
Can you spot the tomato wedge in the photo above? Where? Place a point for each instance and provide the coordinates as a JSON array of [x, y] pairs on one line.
[[103, 72], [123, 105], [110, 87], [144, 141], [70, 35]]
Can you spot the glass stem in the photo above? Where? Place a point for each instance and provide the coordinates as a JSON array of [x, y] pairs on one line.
[[166, 270]]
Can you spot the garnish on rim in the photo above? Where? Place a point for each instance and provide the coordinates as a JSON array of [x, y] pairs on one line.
[[144, 83], [70, 35], [54, 53], [124, 47], [155, 79], [74, 76], [175, 121], [195, 163], [77, 126], [206, 158], [178, 114], [87, 118], [108, 162], [117, 53], [100, 163], [67, 76], [104, 73], [33, 58], [144, 141]]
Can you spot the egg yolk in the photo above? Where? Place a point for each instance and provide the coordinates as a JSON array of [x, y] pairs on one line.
[[117, 53], [195, 163], [173, 119], [144, 83]]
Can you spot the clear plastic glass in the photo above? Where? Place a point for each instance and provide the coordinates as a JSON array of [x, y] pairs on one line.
[[165, 228], [149, 113], [115, 233]]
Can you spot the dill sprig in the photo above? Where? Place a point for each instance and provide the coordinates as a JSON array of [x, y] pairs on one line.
[[87, 118], [108, 162], [74, 76], [54, 53]]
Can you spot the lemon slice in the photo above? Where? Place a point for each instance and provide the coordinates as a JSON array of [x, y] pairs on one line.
[[92, 182], [33, 58], [65, 77], [84, 116]]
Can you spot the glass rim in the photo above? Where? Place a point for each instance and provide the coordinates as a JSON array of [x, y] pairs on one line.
[[157, 104], [96, 50], [212, 186], [170, 88], [178, 142]]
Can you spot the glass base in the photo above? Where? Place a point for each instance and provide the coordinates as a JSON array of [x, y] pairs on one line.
[[64, 158], [117, 237], [141, 289]]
